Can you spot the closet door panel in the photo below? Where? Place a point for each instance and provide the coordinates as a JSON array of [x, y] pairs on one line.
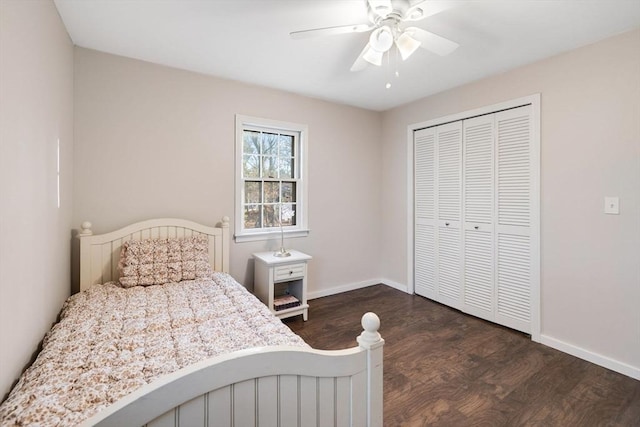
[[514, 189], [449, 196], [425, 278], [425, 261], [514, 281], [449, 157], [478, 170], [478, 214], [478, 274], [449, 289]]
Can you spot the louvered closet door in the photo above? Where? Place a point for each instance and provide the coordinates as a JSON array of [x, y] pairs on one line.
[[515, 255], [478, 213], [476, 226], [448, 213], [425, 214]]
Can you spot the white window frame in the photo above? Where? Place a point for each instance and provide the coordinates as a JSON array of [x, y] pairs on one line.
[[301, 229]]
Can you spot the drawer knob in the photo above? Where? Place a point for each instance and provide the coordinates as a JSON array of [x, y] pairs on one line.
[[290, 272]]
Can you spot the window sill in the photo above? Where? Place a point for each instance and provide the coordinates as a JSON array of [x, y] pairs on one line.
[[268, 235]]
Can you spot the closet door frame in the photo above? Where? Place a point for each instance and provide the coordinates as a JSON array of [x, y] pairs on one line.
[[534, 101]]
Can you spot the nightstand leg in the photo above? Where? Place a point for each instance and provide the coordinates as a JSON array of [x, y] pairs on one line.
[[305, 315]]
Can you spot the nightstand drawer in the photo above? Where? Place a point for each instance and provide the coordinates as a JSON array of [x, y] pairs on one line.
[[286, 272]]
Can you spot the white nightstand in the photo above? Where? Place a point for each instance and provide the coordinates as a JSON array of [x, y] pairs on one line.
[[276, 278]]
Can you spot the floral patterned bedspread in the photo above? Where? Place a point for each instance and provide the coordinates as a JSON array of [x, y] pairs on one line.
[[111, 340]]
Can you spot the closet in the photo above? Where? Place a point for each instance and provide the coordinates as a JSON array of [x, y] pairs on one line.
[[476, 226]]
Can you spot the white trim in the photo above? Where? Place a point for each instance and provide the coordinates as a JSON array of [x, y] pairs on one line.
[[342, 288], [357, 285], [589, 356], [411, 288], [396, 285], [536, 291], [525, 100], [301, 229], [534, 101], [266, 235]]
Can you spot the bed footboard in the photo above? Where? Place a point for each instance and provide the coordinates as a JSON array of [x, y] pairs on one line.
[[269, 386]]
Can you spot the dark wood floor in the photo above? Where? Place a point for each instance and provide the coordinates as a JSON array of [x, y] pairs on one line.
[[445, 368]]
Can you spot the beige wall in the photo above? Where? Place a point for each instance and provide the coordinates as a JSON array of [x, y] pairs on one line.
[[36, 108], [153, 141], [590, 148]]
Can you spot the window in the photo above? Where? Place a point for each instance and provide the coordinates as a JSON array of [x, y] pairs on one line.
[[271, 179]]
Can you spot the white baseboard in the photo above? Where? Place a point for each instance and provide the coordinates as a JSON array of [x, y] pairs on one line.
[[357, 285], [342, 288], [589, 356], [395, 285]]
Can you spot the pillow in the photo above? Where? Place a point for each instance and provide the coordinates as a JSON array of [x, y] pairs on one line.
[[160, 261]]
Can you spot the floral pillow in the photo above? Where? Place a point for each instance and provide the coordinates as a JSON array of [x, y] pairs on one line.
[[160, 261]]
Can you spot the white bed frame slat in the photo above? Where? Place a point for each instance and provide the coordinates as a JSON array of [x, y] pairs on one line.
[[359, 406], [192, 413], [268, 398], [343, 401], [219, 405], [326, 400], [265, 386], [288, 395], [244, 400], [308, 402]]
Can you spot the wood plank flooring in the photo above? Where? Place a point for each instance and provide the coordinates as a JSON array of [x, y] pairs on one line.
[[445, 368]]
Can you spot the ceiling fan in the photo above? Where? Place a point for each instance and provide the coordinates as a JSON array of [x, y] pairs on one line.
[[386, 23]]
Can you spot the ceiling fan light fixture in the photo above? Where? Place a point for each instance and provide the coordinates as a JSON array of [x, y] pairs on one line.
[[373, 56], [406, 45], [381, 39]]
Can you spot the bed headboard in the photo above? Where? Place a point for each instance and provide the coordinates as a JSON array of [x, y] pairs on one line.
[[99, 254]]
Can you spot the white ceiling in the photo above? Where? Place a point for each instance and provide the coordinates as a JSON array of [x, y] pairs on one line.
[[248, 40]]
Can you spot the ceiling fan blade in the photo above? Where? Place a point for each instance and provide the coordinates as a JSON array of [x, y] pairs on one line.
[[361, 63], [329, 31], [432, 42]]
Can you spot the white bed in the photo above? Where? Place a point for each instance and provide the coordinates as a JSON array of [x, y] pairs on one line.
[[274, 385]]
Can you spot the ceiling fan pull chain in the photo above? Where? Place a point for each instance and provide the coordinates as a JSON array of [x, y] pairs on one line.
[[388, 85], [396, 62]]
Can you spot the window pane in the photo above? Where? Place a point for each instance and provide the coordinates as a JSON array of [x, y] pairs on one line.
[[253, 192], [288, 214], [288, 192], [270, 178], [252, 216], [269, 167], [270, 144], [285, 166], [251, 166], [270, 217], [251, 143], [286, 146], [272, 192]]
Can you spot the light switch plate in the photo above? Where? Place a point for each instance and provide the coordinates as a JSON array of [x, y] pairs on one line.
[[612, 205]]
